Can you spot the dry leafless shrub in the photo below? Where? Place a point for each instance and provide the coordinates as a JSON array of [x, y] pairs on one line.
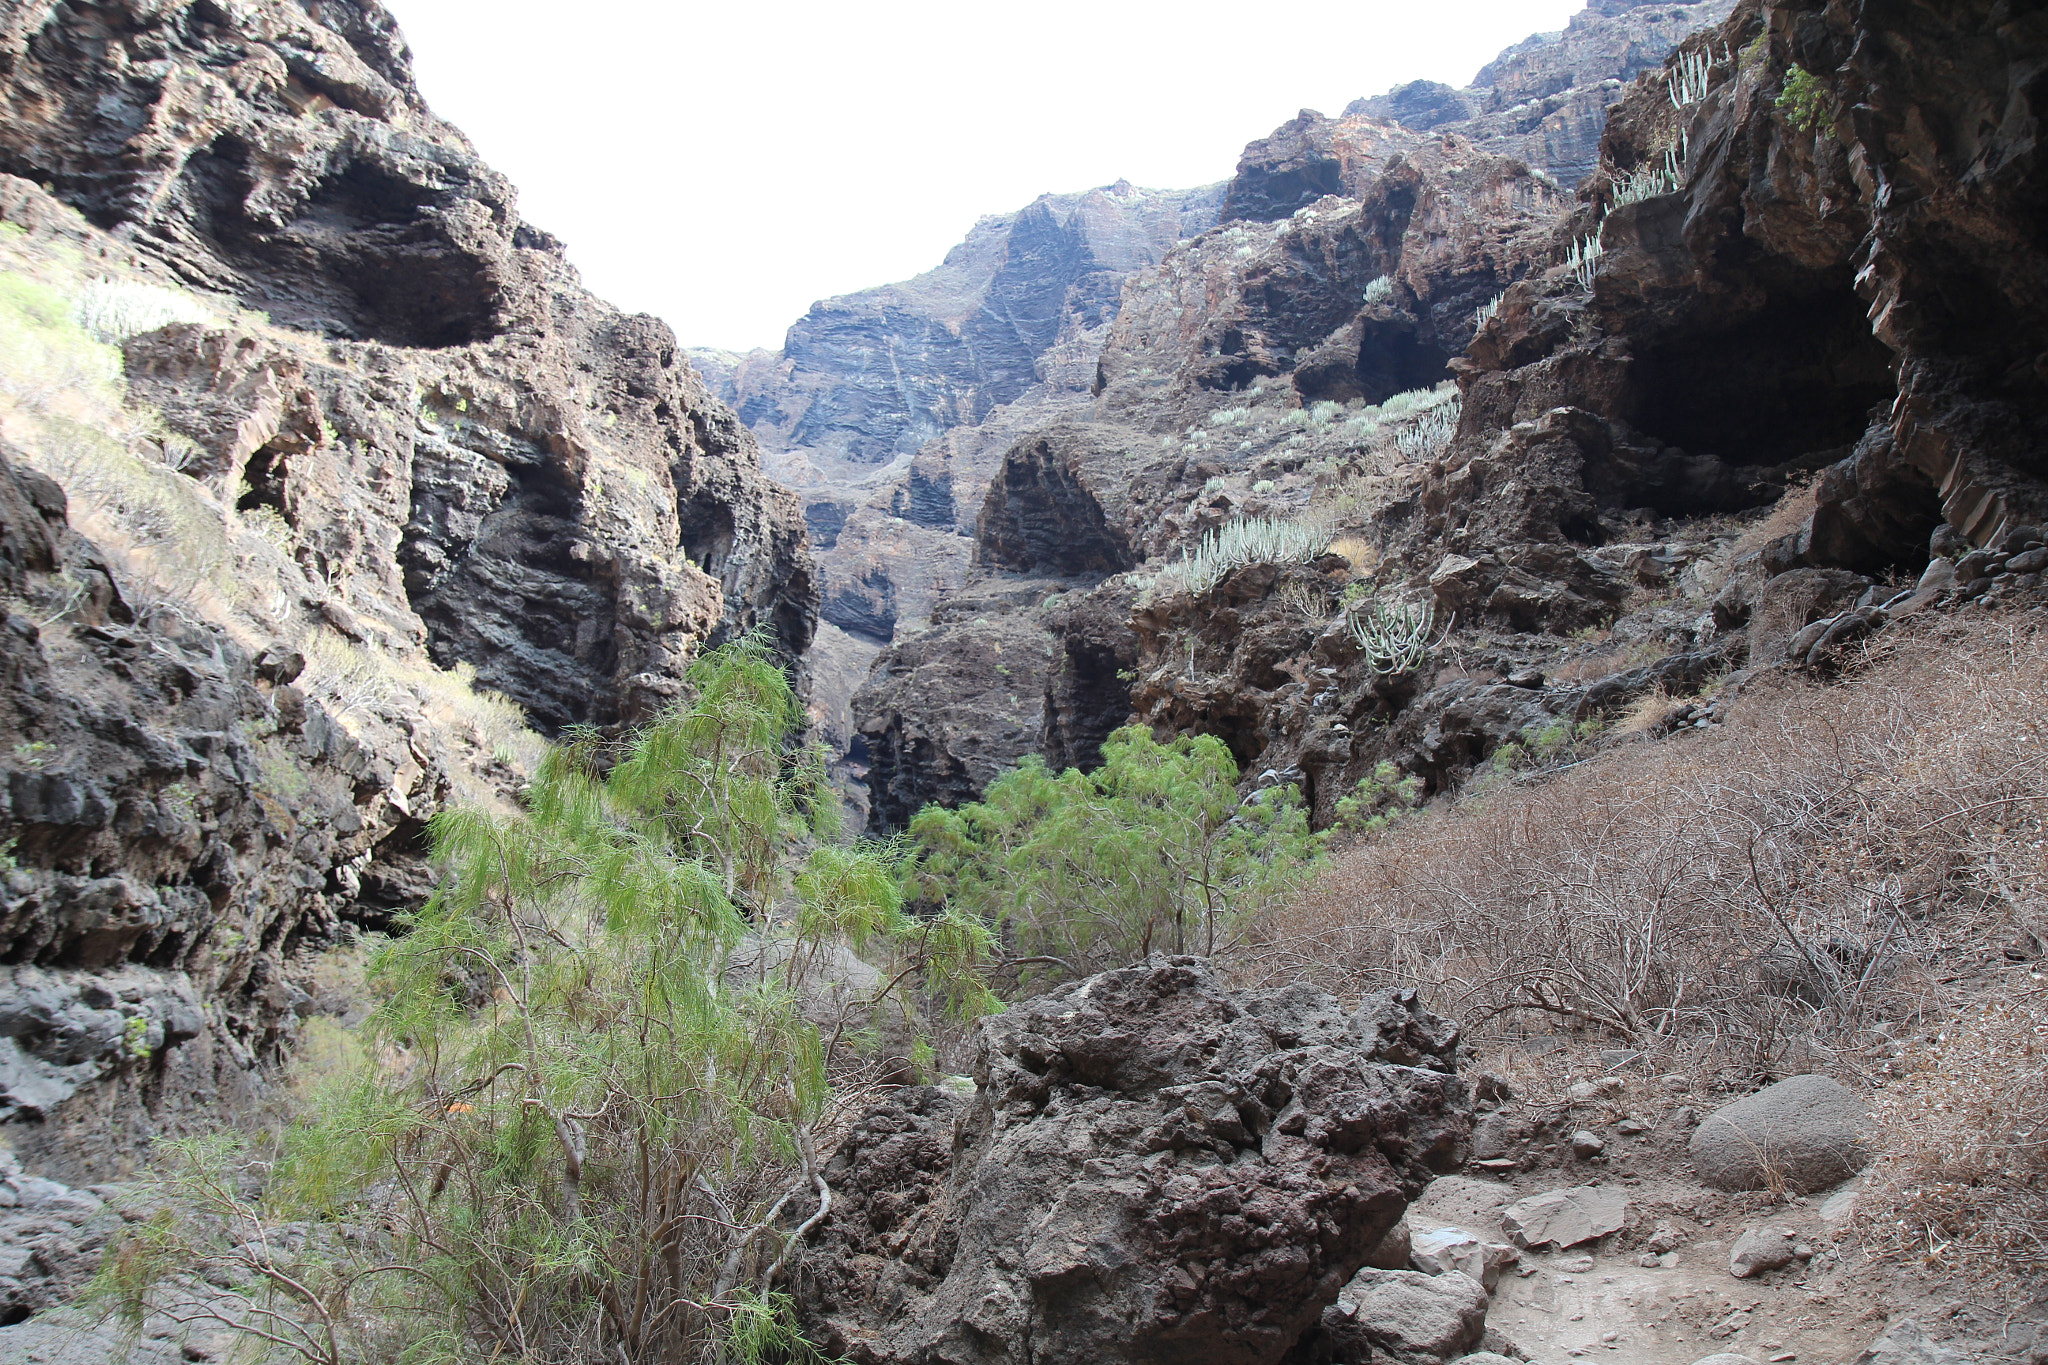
[[1961, 1182], [1786, 881], [1792, 511], [1603, 663]]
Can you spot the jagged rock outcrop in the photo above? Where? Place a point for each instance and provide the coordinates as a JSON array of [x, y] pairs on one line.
[[1041, 514], [949, 708], [181, 820], [889, 409], [1150, 1167], [1278, 309], [866, 378], [344, 440], [1722, 351], [1448, 225], [1543, 101], [287, 164], [1808, 298], [1755, 322], [1451, 210]]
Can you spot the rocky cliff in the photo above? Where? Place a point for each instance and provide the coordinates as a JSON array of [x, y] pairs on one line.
[[1751, 292], [888, 409], [329, 478], [893, 538], [867, 378], [1544, 102], [1239, 377]]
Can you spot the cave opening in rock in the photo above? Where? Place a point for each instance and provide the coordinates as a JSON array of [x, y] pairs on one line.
[[262, 483], [520, 597], [1086, 699], [366, 257], [708, 533], [1395, 360], [1040, 517], [1793, 382]]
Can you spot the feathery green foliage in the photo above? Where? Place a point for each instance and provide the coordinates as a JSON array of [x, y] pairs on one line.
[[1153, 851], [1378, 801], [1805, 99], [592, 1080]]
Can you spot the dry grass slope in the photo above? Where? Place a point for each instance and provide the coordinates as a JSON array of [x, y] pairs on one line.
[[1835, 870]]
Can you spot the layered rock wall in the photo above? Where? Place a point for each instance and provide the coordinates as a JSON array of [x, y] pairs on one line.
[[1543, 102], [342, 447], [1844, 298]]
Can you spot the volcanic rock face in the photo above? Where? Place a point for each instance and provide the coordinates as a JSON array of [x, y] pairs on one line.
[[1151, 1167], [1543, 102], [287, 164], [1447, 225], [181, 819], [1274, 310], [889, 410], [1356, 257], [429, 451], [1852, 303], [1806, 297], [870, 377], [1758, 321], [950, 708]]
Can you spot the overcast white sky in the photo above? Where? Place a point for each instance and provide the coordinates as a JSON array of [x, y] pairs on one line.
[[724, 164]]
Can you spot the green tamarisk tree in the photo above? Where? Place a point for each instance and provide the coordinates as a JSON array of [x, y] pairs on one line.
[[1153, 851], [581, 1125]]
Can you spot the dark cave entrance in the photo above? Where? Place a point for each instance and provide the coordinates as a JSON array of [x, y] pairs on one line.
[[708, 532], [366, 257], [1791, 383], [263, 483], [1800, 384], [1087, 698], [1395, 360]]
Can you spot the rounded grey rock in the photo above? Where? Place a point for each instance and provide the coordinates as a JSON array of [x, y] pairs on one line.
[[1759, 1250], [1393, 1250], [1416, 1319], [1724, 1358], [1802, 1134]]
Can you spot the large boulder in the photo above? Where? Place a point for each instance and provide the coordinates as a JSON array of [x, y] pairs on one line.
[[1564, 1218], [1412, 1318], [1802, 1134], [1150, 1166], [1441, 1250]]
